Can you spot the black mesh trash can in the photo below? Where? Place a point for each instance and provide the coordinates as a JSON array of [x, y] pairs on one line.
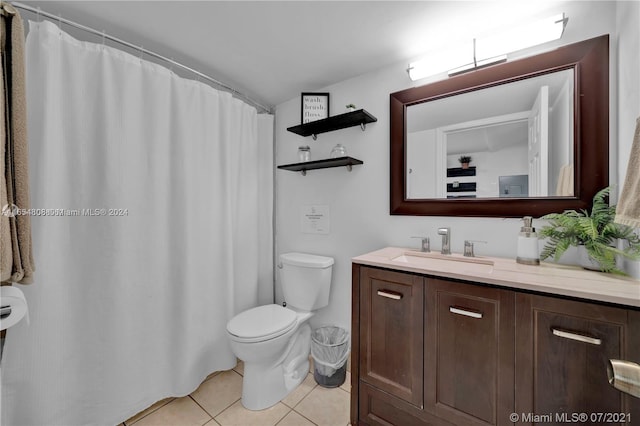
[[330, 350]]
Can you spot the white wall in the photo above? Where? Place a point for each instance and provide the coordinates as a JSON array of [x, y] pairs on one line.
[[359, 201]]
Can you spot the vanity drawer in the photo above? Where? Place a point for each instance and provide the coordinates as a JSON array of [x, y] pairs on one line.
[[380, 408]]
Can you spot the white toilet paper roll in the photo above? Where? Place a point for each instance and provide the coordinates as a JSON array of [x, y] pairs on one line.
[[14, 298]]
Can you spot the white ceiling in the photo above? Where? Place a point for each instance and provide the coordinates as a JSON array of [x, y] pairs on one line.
[[488, 139], [274, 50], [514, 97]]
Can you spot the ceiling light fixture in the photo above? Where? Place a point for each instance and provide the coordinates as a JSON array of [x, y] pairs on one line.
[[441, 60], [485, 51]]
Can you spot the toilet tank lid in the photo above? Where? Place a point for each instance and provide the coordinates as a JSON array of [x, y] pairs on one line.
[[306, 260]]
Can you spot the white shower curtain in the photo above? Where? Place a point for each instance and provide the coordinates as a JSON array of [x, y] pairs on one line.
[[132, 295]]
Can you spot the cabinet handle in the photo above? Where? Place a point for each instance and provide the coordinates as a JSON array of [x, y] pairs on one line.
[[464, 312], [390, 294], [574, 336]]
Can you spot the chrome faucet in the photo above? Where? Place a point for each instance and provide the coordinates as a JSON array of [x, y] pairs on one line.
[[425, 246], [446, 240], [468, 247]]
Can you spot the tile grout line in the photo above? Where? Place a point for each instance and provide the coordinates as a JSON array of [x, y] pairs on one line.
[[225, 408], [301, 399], [169, 400], [202, 408], [304, 417], [308, 394], [286, 414], [298, 403]]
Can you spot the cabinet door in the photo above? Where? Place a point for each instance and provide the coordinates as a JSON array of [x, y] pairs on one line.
[[391, 333], [562, 352], [470, 353]]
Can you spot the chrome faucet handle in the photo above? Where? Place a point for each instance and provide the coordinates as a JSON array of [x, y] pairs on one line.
[[446, 240], [426, 245], [468, 247]]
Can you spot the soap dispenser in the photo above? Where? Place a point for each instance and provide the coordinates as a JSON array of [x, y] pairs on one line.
[[528, 243]]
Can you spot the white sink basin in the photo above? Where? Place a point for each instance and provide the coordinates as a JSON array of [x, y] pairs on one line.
[[452, 262]]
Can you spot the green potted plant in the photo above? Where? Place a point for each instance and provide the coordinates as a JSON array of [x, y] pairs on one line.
[[350, 107], [464, 161], [594, 233]]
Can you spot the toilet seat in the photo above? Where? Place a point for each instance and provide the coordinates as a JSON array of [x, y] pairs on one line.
[[261, 323]]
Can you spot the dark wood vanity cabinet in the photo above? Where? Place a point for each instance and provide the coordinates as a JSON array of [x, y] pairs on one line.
[[431, 351], [562, 352]]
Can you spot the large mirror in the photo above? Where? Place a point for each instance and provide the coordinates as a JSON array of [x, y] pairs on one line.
[[535, 131]]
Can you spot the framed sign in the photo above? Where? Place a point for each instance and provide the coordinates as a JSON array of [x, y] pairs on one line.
[[315, 219], [315, 106]]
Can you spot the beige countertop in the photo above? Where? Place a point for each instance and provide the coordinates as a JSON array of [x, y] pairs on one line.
[[549, 278]]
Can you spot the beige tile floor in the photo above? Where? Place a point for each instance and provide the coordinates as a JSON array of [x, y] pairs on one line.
[[217, 402]]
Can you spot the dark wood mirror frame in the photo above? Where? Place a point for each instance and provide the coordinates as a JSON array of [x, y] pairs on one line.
[[589, 61]]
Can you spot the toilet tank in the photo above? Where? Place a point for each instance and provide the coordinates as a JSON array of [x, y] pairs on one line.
[[306, 280]]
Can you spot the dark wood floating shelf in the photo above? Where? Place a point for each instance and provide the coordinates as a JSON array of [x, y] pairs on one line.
[[461, 187], [342, 121], [459, 171], [321, 164]]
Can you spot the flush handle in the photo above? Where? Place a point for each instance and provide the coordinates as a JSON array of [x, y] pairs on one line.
[[575, 336], [390, 294], [466, 313]]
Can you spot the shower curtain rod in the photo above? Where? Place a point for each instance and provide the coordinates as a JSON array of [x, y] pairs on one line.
[[102, 34]]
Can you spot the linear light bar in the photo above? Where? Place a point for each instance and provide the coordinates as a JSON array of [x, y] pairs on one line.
[[521, 37], [481, 52], [477, 65], [442, 60]]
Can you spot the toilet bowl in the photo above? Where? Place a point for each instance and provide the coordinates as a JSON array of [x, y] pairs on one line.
[[274, 341], [274, 344]]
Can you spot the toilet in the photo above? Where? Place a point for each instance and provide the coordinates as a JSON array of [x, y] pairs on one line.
[[273, 340]]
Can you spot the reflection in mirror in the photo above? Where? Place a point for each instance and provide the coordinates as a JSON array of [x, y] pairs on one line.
[[520, 146]]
